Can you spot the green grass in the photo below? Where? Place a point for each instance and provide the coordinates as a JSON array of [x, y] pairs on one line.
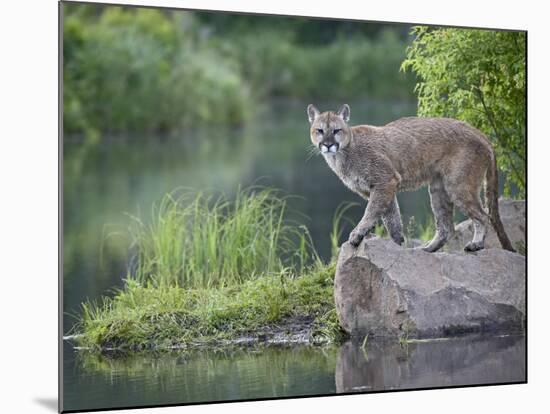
[[428, 230], [207, 270], [200, 241], [415, 230], [160, 317]]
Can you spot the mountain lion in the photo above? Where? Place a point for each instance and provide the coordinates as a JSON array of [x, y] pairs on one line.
[[376, 162]]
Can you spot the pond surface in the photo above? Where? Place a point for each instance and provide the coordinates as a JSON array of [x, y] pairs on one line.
[[95, 381]]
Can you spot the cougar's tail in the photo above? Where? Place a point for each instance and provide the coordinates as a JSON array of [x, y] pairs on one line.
[[491, 196]]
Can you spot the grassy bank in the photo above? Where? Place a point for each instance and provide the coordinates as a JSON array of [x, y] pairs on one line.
[[162, 317], [207, 270]]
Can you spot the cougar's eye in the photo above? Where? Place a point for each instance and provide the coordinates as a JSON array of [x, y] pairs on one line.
[[336, 131], [320, 131]]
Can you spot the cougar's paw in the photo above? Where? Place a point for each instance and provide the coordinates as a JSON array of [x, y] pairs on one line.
[[398, 239], [428, 248], [355, 237], [473, 247]]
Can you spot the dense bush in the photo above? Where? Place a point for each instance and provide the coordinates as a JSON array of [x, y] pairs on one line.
[[477, 76], [353, 68], [140, 69], [132, 69], [346, 68]]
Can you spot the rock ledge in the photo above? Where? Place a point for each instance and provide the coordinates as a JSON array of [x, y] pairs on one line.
[[385, 290]]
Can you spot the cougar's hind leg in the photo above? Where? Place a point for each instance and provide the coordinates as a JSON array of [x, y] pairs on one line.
[[467, 199], [464, 186], [471, 206], [392, 221], [442, 208]]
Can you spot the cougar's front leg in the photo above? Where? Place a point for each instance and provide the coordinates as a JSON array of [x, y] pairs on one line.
[[392, 221], [379, 202]]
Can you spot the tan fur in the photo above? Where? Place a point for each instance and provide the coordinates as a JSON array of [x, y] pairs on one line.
[[450, 156]]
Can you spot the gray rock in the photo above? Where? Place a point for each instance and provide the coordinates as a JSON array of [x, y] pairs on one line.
[[382, 289], [512, 214]]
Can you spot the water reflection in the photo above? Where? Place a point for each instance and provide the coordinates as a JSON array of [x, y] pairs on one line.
[[461, 361], [102, 381]]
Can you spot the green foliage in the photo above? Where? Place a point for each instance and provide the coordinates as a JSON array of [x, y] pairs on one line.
[[477, 76], [135, 69], [344, 69], [130, 69], [427, 232], [380, 230], [194, 240], [416, 230], [327, 329]]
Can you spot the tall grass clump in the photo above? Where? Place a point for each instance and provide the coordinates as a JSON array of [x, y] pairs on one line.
[[196, 240], [207, 269]]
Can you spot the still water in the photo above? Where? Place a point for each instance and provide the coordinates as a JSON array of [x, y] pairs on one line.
[[235, 374]]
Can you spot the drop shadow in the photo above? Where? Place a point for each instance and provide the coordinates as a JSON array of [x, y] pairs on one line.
[[50, 403]]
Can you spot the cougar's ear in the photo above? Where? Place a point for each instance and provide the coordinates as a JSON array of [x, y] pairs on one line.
[[343, 112], [312, 113]]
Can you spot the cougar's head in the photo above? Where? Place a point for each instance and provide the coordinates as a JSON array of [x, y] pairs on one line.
[[329, 130]]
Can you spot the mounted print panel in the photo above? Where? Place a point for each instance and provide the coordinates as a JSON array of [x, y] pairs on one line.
[[262, 206]]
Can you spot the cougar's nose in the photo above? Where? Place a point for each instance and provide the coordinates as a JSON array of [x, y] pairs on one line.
[[329, 147]]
